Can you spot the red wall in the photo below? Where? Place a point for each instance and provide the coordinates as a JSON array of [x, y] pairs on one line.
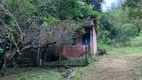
[[74, 51]]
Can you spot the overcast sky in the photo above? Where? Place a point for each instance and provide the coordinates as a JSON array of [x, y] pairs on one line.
[[107, 4]]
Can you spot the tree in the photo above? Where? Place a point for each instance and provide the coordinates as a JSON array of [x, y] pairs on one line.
[[135, 11], [118, 27], [96, 4]]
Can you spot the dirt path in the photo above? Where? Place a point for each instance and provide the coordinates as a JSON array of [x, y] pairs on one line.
[[118, 67]]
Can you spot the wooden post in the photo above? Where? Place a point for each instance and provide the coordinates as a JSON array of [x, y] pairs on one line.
[[60, 49], [45, 55], [86, 51], [59, 55], [38, 58], [90, 50]]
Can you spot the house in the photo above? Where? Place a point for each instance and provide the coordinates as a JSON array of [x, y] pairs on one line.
[[83, 43]]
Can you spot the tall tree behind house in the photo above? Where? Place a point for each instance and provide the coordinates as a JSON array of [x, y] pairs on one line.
[[96, 4]]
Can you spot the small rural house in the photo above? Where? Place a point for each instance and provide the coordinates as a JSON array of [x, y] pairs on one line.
[[83, 43]]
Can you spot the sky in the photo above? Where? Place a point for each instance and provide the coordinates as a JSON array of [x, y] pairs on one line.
[[107, 4]]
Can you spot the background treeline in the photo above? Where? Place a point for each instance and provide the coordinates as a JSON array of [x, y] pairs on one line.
[[121, 23]]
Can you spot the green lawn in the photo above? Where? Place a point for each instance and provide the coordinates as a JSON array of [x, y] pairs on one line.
[[135, 46], [40, 74], [33, 74], [128, 50]]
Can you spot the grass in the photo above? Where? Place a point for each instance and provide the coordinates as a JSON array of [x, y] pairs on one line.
[[105, 46], [82, 72], [40, 74], [34, 74], [46, 72], [135, 46], [129, 50]]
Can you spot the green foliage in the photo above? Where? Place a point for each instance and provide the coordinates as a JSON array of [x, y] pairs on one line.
[[65, 9], [116, 27], [137, 41], [23, 14], [105, 46], [96, 4], [96, 14], [1, 50], [18, 17], [134, 11], [68, 9], [128, 29], [133, 48]]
